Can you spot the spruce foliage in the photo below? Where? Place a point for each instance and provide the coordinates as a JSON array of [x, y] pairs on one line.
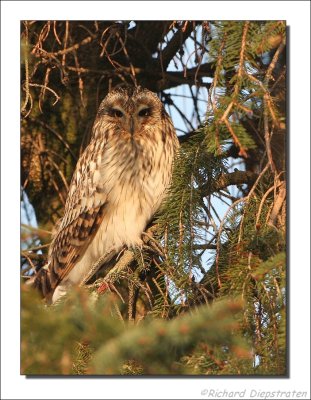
[[206, 295]]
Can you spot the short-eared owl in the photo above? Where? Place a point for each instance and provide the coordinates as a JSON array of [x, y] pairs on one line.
[[118, 185]]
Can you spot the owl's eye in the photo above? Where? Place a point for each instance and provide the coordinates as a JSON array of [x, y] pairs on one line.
[[114, 112], [145, 112]]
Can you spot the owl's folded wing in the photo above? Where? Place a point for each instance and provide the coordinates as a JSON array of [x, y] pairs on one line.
[[84, 212], [71, 242]]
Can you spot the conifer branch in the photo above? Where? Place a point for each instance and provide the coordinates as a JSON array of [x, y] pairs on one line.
[[181, 334], [277, 204], [225, 180]]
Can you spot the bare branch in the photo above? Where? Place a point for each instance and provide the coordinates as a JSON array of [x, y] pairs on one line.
[[174, 45]]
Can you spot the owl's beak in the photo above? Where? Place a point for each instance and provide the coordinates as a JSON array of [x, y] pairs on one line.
[[132, 125]]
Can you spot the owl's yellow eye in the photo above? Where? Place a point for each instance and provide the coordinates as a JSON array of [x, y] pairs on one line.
[[145, 112], [114, 112]]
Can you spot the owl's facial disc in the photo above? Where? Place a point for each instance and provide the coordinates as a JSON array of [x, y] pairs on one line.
[[139, 117], [134, 113], [131, 118]]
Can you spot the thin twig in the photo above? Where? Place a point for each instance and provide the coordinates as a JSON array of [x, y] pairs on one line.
[[242, 151], [225, 116], [44, 87], [218, 242], [37, 230], [50, 129], [239, 74], [277, 204], [36, 248], [47, 88], [60, 173], [248, 197], [55, 33], [267, 134], [74, 47], [274, 61], [128, 58], [26, 69]]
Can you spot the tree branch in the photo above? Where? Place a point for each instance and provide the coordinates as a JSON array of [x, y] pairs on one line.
[[172, 79], [225, 180], [174, 45]]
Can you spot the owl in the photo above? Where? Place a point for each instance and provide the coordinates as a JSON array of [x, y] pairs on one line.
[[118, 185]]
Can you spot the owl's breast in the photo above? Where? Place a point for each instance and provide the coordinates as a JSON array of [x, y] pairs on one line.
[[138, 189]]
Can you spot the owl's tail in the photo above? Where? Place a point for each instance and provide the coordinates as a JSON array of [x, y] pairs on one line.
[[43, 283]]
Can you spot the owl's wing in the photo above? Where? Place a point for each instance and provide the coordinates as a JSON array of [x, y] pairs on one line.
[[84, 212]]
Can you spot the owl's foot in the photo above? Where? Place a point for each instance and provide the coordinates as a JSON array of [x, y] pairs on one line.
[[103, 287]]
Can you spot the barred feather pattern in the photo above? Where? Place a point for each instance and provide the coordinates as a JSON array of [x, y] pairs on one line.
[[119, 183]]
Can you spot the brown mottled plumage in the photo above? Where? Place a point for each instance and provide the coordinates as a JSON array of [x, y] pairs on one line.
[[118, 185]]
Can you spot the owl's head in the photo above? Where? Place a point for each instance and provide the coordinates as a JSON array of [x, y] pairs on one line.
[[131, 111]]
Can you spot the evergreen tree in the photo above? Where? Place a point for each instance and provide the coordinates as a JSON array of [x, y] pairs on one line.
[[207, 293]]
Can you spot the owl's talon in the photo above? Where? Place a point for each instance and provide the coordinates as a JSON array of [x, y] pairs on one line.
[[102, 288]]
